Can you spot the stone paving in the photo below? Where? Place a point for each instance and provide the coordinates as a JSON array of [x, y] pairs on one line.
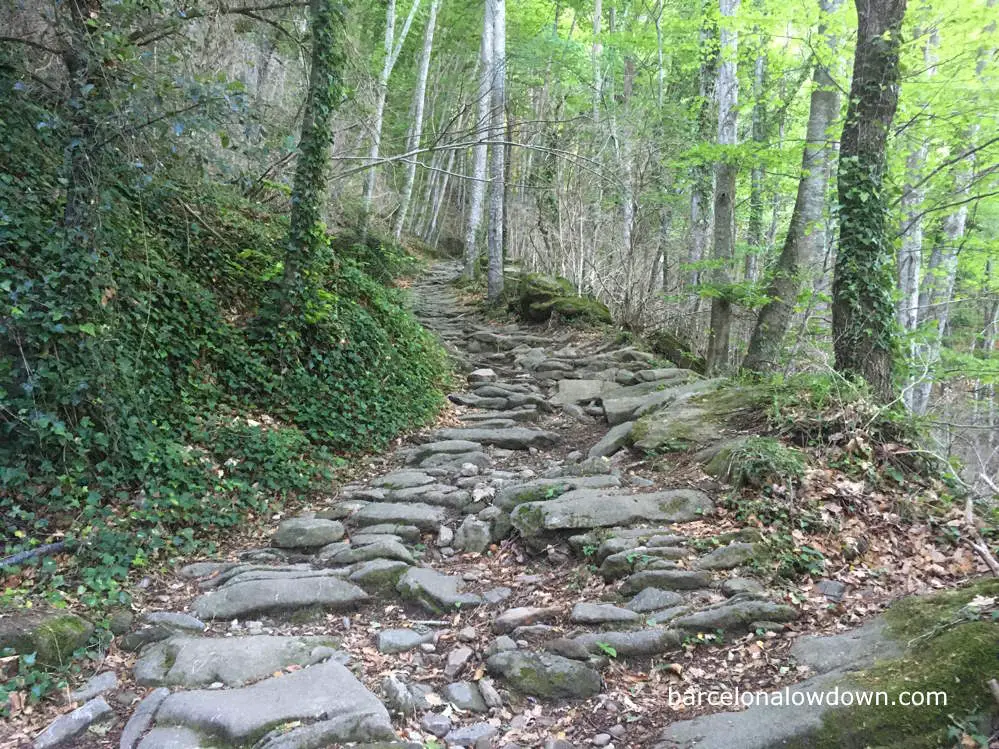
[[537, 420]]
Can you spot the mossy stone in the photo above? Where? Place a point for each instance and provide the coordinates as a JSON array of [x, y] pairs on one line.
[[51, 635]]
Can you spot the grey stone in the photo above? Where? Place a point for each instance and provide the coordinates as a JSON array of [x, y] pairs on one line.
[[496, 595], [401, 640], [467, 634], [66, 728], [586, 508], [735, 614], [95, 687], [408, 533], [489, 693], [444, 447], [287, 591], [615, 439], [196, 570], [445, 536], [629, 402], [465, 696], [727, 557], [546, 489], [172, 737], [436, 723], [456, 661], [581, 391], [733, 586], [378, 575], [637, 559], [377, 550], [511, 619], [500, 644], [345, 508], [423, 516], [473, 535], [601, 739], [658, 375], [600, 613], [834, 590], [867, 643], [397, 695], [666, 580], [544, 674], [626, 644], [142, 718], [437, 495], [472, 735], [331, 704], [513, 438], [482, 375], [51, 635], [402, 480], [653, 599], [301, 533], [233, 661], [175, 620], [435, 591]]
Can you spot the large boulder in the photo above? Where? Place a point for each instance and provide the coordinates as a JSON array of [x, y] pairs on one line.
[[629, 403], [698, 421]]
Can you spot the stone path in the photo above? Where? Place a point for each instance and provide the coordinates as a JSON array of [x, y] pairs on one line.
[[381, 617]]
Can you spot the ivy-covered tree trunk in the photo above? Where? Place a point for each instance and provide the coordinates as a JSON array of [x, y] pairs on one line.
[[307, 236], [805, 235], [864, 337]]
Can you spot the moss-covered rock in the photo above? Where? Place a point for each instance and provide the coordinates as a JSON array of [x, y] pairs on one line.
[[51, 635], [757, 462], [544, 675], [535, 298], [677, 350]]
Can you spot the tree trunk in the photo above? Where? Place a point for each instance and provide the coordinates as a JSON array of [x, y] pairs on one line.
[[392, 50], [494, 279], [806, 234], [307, 233], [863, 310], [481, 150], [702, 192], [725, 174], [416, 130], [754, 234]]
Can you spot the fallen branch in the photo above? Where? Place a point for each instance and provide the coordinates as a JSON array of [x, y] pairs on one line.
[[38, 551], [974, 538]]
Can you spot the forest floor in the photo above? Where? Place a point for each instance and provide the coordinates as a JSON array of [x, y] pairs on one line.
[[569, 629]]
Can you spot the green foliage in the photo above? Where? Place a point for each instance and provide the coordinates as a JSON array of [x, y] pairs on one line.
[[761, 461], [148, 400]]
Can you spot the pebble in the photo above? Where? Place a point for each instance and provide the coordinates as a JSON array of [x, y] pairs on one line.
[[601, 739], [467, 634]]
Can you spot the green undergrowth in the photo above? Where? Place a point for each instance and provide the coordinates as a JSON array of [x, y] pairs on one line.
[[152, 396]]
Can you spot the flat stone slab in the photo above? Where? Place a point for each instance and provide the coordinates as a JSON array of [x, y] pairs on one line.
[[443, 447], [630, 402], [423, 516], [589, 508], [402, 480], [601, 613], [666, 580], [627, 644], [654, 599], [513, 438], [435, 591], [733, 614], [544, 674], [326, 700], [580, 391], [522, 616], [285, 591], [67, 727], [728, 557], [401, 640], [301, 533], [233, 661]]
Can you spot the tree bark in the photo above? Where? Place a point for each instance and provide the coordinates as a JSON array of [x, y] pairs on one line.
[[864, 339], [307, 235], [392, 49], [702, 192], [416, 130], [481, 150], [725, 174], [494, 279], [806, 233]]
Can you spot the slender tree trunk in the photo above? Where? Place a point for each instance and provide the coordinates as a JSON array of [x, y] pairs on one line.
[[595, 53], [392, 49], [754, 235], [481, 150], [863, 310], [725, 174], [307, 234], [806, 234], [494, 279], [702, 192], [416, 130]]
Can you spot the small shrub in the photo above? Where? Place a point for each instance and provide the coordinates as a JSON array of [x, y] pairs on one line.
[[761, 461]]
